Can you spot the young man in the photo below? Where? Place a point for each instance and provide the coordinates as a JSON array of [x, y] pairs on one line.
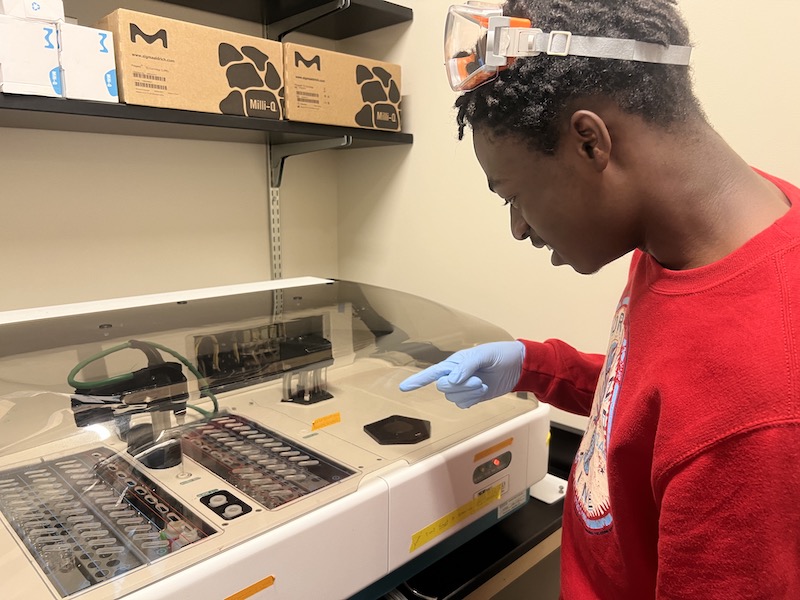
[[685, 484]]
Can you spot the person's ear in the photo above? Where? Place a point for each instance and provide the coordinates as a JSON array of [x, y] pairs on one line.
[[590, 138]]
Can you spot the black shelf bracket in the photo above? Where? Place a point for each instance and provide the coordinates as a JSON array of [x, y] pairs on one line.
[[276, 30], [332, 19], [278, 153]]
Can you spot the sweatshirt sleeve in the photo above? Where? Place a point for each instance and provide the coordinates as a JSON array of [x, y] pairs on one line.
[[560, 375]]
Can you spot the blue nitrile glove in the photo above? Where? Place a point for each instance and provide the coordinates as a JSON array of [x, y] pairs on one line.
[[475, 374]]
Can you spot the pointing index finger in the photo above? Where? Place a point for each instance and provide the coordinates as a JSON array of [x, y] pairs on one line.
[[425, 377]]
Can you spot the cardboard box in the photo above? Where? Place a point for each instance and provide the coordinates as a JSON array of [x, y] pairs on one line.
[[173, 64], [87, 63], [41, 10], [332, 88], [29, 57]]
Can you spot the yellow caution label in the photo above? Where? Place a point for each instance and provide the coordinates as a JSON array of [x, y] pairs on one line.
[[252, 590], [331, 419], [437, 528]]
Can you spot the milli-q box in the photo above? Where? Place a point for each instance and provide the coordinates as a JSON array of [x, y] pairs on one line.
[[333, 88], [174, 64]]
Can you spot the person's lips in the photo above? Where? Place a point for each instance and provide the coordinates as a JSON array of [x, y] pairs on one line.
[[555, 258]]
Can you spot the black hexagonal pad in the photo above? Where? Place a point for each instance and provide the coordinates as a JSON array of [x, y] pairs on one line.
[[398, 429]]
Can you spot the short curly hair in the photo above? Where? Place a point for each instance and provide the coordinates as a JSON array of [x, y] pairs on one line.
[[531, 97]]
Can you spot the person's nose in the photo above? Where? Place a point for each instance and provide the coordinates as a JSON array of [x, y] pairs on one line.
[[519, 227]]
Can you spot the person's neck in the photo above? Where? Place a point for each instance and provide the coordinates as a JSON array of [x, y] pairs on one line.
[[706, 203]]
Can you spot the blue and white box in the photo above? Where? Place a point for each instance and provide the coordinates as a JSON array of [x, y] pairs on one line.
[[29, 62], [87, 63], [41, 10]]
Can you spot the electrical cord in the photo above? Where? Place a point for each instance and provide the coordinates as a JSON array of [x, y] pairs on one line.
[[82, 385]]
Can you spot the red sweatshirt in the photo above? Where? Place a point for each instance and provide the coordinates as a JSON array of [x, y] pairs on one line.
[[687, 482]]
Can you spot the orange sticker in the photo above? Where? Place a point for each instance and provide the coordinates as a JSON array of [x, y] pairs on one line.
[[493, 450], [331, 419], [253, 589]]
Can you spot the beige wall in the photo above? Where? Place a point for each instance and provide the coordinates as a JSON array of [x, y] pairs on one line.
[[417, 218], [86, 216], [90, 216]]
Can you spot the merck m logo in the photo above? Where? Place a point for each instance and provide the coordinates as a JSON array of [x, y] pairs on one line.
[[161, 34], [308, 63], [48, 43]]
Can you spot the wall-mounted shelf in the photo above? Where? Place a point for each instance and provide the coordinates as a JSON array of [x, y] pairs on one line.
[[335, 19], [38, 112], [332, 19], [247, 10]]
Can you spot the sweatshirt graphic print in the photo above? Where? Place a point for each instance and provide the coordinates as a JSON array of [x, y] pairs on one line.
[[590, 473]]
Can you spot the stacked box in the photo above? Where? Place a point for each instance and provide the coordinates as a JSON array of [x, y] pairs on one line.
[[87, 63], [51, 11], [29, 57], [332, 88], [173, 64]]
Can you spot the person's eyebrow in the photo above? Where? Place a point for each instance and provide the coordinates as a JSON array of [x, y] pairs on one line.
[[493, 183]]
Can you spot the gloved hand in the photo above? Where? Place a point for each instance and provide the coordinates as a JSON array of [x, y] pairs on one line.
[[475, 374]]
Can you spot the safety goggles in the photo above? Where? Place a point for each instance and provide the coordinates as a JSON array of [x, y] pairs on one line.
[[479, 42]]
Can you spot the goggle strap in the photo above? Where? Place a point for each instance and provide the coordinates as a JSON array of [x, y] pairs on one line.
[[532, 42]]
